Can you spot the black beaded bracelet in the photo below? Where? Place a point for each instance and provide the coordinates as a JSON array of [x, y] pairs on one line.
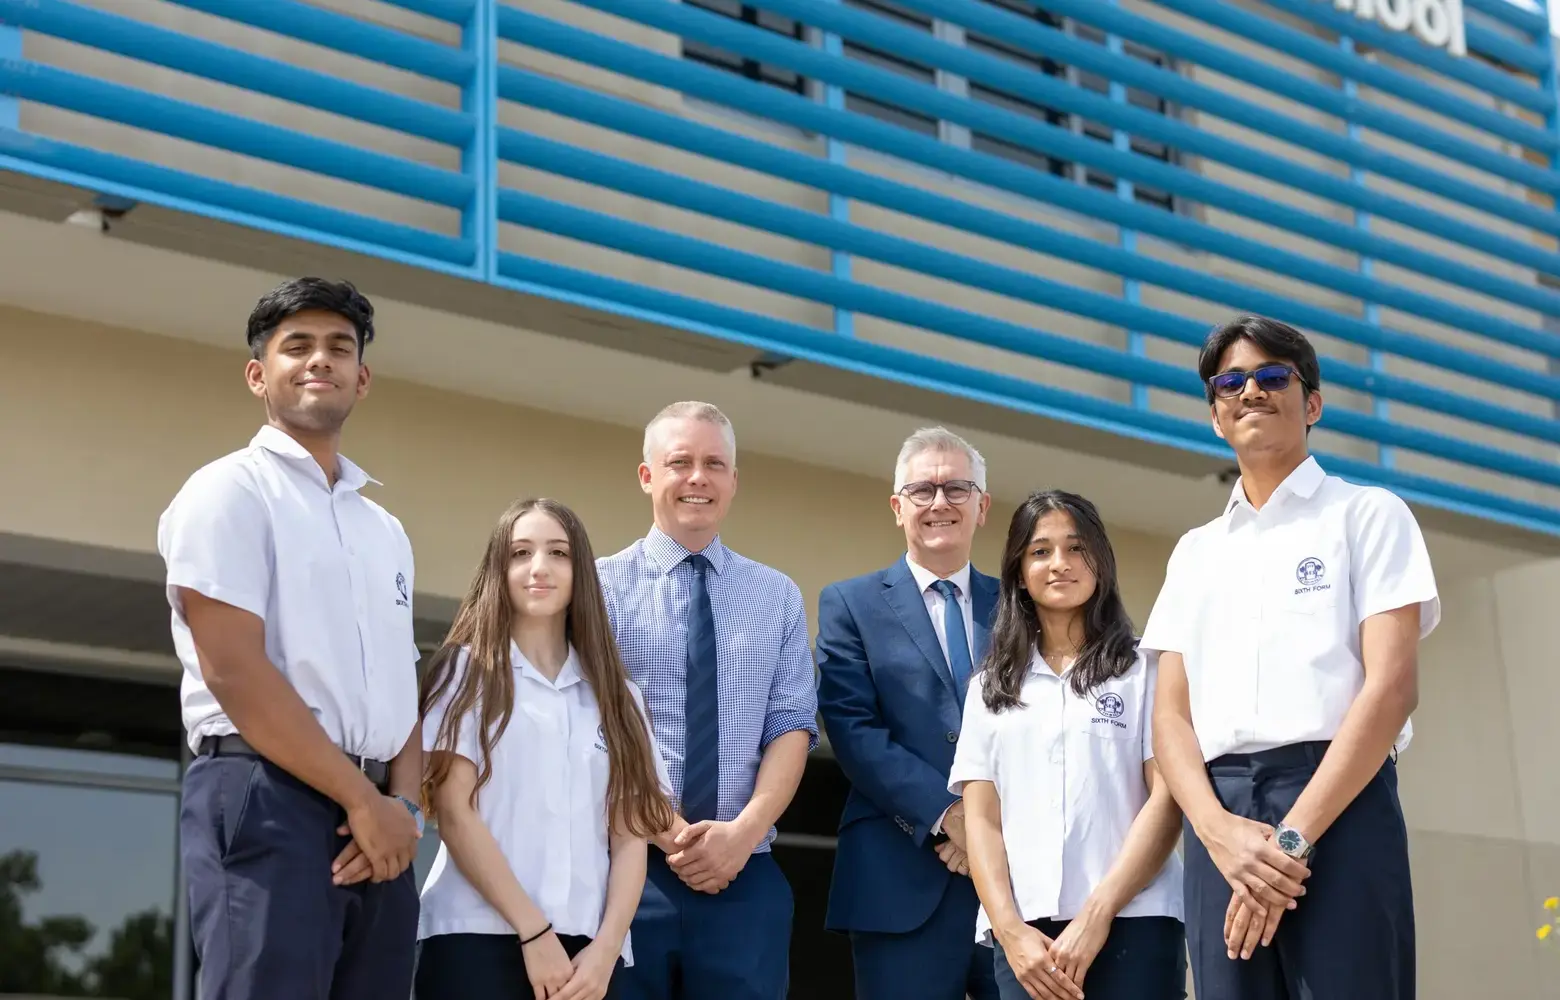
[[535, 937]]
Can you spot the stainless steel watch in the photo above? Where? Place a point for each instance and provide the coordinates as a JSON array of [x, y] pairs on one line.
[[1292, 842], [412, 807]]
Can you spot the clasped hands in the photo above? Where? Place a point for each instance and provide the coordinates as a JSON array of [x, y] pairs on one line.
[[1263, 879], [708, 854], [384, 841], [954, 852]]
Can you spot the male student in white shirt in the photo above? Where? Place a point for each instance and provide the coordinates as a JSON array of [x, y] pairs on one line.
[[291, 596], [1288, 630]]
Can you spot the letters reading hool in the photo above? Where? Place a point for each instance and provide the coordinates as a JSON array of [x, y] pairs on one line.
[[1436, 23]]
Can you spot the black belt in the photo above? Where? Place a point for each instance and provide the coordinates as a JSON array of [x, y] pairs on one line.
[[234, 745]]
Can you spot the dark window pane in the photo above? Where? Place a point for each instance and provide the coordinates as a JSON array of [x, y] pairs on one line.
[[753, 69], [1019, 154], [87, 876], [904, 16], [860, 51], [892, 115]]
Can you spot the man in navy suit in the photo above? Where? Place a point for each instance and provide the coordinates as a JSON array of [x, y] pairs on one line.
[[895, 652]]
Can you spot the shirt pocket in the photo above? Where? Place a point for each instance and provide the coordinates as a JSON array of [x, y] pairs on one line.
[[1109, 712], [1314, 580]]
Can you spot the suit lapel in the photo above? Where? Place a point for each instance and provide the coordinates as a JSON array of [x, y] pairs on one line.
[[983, 595], [907, 602]]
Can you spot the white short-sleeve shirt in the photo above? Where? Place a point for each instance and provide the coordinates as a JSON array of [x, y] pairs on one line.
[[545, 804], [1265, 607], [1069, 772], [328, 570]]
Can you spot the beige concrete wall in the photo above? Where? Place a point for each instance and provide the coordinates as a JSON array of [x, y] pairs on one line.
[[143, 412], [98, 427]]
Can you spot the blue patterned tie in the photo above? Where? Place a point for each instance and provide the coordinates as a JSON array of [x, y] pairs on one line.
[[958, 638], [701, 758]]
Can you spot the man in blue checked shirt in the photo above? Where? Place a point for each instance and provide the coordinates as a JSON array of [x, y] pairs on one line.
[[718, 644]]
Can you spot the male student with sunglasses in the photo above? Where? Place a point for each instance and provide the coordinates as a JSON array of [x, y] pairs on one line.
[[1288, 630]]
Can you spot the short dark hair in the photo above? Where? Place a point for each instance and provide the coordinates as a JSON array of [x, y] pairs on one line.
[[1280, 341], [309, 295]]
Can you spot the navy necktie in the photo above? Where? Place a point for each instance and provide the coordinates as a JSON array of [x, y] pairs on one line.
[[958, 638], [701, 747]]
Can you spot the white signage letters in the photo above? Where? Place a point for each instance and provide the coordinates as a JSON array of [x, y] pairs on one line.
[[1437, 23]]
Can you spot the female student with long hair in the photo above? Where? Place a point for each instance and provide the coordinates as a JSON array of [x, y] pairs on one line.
[[542, 776], [1069, 825]]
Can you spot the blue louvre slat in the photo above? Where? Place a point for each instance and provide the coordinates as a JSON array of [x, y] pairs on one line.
[[99, 98], [453, 11], [670, 189], [1514, 14], [479, 158], [724, 88], [473, 131], [224, 64], [711, 258], [1524, 55], [1280, 38], [10, 50], [341, 33], [1274, 35], [1034, 134], [677, 132], [1470, 71], [909, 368], [885, 35], [183, 191]]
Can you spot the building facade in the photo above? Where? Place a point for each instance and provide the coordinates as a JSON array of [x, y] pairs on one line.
[[838, 220]]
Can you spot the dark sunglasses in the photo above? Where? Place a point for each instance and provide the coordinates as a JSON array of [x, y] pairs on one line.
[[1269, 378], [955, 491]]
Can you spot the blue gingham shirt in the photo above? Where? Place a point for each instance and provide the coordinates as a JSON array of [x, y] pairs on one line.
[[764, 661]]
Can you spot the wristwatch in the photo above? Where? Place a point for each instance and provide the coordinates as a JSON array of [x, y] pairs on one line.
[[412, 807], [1292, 842]]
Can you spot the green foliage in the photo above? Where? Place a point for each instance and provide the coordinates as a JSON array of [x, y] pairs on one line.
[[40, 958]]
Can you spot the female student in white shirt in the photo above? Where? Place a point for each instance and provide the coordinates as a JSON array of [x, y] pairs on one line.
[[542, 776], [1070, 827]]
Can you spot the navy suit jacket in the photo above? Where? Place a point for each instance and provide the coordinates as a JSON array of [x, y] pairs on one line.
[[889, 706]]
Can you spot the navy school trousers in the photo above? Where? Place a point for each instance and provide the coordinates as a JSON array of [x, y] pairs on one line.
[[257, 845], [480, 966], [1143, 958], [733, 945], [940, 960], [1352, 936]]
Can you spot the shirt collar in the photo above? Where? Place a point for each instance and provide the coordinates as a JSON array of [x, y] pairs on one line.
[[568, 675], [1302, 483], [1039, 667], [666, 552], [924, 577], [349, 475]]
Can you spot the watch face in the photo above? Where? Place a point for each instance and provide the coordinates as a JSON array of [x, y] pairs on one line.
[[1289, 841]]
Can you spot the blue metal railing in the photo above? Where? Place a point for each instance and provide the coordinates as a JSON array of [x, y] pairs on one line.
[[1494, 391]]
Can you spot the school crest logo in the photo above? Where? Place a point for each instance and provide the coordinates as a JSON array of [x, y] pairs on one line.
[[1110, 705], [601, 738], [400, 588], [1310, 571]]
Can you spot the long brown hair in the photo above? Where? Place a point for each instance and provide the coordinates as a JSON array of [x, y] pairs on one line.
[[483, 625]]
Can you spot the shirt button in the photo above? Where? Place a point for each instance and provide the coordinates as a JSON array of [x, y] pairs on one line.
[[952, 736]]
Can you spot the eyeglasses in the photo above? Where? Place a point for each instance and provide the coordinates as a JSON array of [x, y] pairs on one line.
[[955, 491], [1270, 378]]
